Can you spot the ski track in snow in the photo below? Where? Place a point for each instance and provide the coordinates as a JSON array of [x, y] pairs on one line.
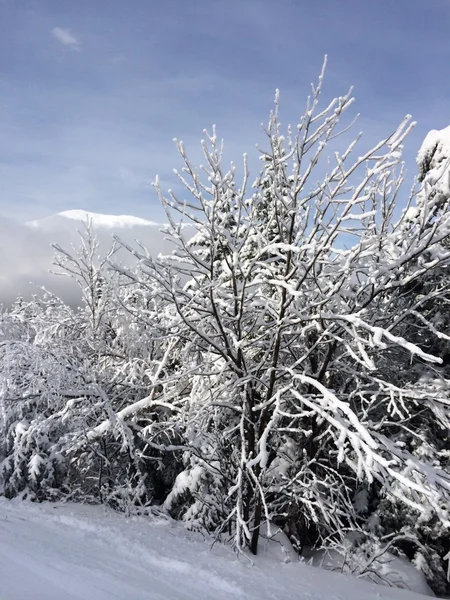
[[78, 552]]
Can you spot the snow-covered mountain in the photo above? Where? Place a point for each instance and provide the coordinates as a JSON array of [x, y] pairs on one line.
[[69, 218], [26, 248]]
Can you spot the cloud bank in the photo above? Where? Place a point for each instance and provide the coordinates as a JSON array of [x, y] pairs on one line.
[[26, 252]]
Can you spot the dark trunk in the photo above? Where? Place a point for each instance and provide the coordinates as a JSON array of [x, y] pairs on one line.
[[256, 527]]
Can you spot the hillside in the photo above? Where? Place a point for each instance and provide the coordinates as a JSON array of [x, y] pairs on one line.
[[76, 552]]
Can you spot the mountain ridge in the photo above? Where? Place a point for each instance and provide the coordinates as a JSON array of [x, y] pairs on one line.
[[98, 220]]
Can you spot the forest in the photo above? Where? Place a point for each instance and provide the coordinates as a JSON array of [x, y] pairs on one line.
[[285, 368]]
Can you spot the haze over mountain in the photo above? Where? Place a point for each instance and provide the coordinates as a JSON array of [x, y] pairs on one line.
[[26, 251]]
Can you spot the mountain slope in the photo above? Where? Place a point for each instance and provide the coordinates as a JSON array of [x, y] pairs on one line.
[[50, 552], [26, 254], [69, 218]]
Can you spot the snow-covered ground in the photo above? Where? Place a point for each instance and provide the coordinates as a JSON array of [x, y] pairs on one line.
[[68, 552]]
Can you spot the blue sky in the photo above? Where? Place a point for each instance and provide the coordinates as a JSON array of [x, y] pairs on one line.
[[92, 92]]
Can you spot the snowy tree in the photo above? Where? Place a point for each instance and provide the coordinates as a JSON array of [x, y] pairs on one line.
[[110, 461], [285, 303], [41, 373], [421, 314], [67, 375]]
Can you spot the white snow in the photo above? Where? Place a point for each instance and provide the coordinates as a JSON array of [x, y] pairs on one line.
[[434, 140], [80, 552], [433, 162], [387, 567]]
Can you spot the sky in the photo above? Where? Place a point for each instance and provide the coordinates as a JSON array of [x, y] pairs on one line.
[[92, 93]]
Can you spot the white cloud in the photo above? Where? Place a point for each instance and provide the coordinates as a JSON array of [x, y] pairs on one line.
[[66, 38]]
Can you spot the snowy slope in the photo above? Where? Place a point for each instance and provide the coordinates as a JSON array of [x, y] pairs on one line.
[[73, 552]]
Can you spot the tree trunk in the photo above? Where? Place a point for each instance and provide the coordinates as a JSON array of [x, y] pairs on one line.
[[256, 527]]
